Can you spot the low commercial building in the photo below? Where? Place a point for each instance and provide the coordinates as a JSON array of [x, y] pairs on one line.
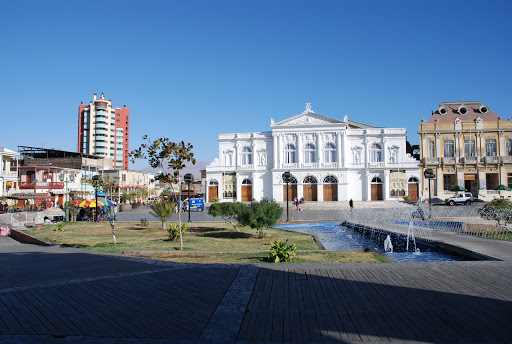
[[8, 172]]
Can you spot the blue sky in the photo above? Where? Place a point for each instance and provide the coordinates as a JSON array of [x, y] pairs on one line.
[[190, 70]]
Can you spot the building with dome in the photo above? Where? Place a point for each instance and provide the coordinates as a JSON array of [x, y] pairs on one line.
[[329, 160]]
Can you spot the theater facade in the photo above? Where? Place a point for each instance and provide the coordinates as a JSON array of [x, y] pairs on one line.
[[329, 159]]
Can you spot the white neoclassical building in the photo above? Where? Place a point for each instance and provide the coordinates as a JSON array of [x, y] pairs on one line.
[[329, 159]]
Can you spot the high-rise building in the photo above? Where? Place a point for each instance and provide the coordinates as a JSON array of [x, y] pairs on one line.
[[103, 130]]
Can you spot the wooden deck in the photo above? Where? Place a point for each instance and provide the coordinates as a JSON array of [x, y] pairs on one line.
[[50, 294]]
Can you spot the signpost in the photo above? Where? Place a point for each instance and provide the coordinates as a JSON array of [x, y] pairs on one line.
[[188, 178]]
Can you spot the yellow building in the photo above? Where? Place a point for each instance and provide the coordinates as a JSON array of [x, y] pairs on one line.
[[469, 145]]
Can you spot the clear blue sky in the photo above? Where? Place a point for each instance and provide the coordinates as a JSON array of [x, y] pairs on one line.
[[190, 70]]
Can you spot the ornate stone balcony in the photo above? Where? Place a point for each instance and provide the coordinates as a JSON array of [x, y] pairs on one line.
[[469, 160], [309, 165], [246, 167], [431, 161], [376, 164], [449, 160], [492, 159], [506, 159], [329, 165], [289, 166]]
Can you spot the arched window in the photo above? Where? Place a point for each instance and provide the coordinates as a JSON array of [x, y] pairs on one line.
[[309, 180], [293, 180], [246, 182], [330, 180], [309, 153], [413, 180], [289, 154], [246, 156], [213, 182], [376, 153], [330, 152], [376, 180]]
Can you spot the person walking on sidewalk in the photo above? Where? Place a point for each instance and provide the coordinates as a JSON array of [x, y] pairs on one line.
[[351, 204]]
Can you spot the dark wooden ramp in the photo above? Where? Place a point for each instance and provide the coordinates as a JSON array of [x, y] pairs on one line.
[[427, 302]]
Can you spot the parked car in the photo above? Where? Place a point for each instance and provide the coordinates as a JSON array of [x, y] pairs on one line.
[[460, 198]]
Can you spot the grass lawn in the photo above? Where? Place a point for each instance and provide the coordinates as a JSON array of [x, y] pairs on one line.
[[202, 236]]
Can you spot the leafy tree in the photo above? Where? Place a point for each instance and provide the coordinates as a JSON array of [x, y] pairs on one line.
[[499, 210], [163, 210], [168, 156], [229, 212], [260, 215]]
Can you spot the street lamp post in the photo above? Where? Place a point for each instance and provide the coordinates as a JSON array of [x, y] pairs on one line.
[[188, 178], [287, 176], [95, 179], [429, 175]]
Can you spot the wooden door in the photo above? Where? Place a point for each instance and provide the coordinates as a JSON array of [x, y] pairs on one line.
[[413, 191], [310, 192], [330, 192], [292, 192], [246, 193], [377, 192], [213, 192]]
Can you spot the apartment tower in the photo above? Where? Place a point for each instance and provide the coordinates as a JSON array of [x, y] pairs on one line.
[[103, 130]]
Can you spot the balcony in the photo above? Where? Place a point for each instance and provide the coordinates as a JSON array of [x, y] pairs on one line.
[[506, 159], [246, 167], [9, 174], [379, 164], [329, 165], [289, 166], [431, 161], [42, 185], [469, 160], [309, 165], [492, 159], [449, 161]]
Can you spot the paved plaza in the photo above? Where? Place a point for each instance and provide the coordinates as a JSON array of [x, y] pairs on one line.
[[63, 295]]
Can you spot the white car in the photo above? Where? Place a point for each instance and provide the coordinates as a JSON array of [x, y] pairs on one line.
[[460, 198]]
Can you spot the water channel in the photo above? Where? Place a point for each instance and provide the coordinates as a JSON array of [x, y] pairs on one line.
[[333, 236]]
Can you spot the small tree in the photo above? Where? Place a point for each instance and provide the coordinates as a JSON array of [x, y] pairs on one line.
[[260, 215], [163, 210], [168, 156], [229, 212]]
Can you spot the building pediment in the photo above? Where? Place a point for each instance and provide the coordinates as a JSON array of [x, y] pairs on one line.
[[307, 118]]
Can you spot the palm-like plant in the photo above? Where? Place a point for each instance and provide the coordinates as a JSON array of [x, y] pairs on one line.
[[163, 210]]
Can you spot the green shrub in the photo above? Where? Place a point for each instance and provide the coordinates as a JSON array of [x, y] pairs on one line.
[[174, 231], [144, 222], [260, 215], [227, 211], [281, 251], [215, 199]]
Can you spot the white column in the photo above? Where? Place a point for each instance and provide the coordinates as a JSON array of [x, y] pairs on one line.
[[340, 149], [385, 187], [299, 151], [320, 157], [275, 150], [279, 151]]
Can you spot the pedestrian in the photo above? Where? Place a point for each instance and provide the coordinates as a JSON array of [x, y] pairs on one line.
[[351, 204], [302, 200], [296, 202]]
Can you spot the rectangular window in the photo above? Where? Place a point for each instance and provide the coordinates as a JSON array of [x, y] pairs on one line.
[[469, 148], [431, 149], [448, 149], [490, 147], [509, 180], [330, 156], [509, 147], [449, 180]]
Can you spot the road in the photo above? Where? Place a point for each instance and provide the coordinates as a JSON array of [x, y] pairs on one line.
[[320, 211]]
